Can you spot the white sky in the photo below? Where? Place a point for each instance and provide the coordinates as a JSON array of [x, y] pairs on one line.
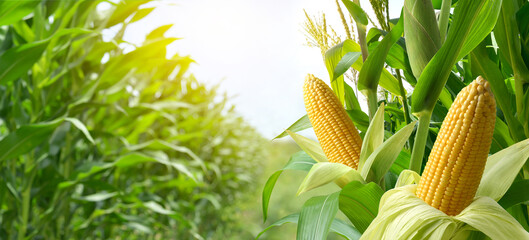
[[254, 48]]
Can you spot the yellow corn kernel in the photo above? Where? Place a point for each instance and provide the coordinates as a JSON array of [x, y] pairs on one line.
[[334, 129], [457, 160]]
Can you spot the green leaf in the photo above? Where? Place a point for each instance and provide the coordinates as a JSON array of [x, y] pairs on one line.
[[401, 163], [516, 194], [123, 10], [356, 11], [359, 202], [458, 43], [141, 13], [351, 101], [326, 172], [17, 61], [97, 197], [482, 65], [380, 161], [360, 119], [374, 136], [345, 63], [311, 147], [335, 54], [79, 125], [316, 217], [501, 170], [369, 75], [298, 161], [338, 226], [135, 158], [301, 124], [154, 206], [26, 138], [13, 11]]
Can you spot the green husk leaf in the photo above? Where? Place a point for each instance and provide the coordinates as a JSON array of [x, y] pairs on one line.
[[422, 34], [487, 216], [505, 163], [326, 172], [301, 124], [402, 215], [380, 161], [374, 136], [311, 147], [407, 177]]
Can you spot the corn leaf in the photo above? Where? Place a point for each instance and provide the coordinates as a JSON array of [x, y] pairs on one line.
[[369, 75], [135, 158], [141, 13], [401, 163], [17, 61], [335, 54], [26, 138], [123, 10], [13, 11], [487, 216], [373, 138], [360, 119], [380, 161], [298, 161], [507, 37], [359, 202], [516, 194], [501, 170], [79, 125], [482, 65], [326, 172], [311, 147], [316, 217], [351, 101], [338, 226], [301, 124], [356, 11], [345, 63], [458, 43]]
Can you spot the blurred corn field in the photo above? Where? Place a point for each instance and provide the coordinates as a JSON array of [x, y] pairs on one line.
[[99, 142]]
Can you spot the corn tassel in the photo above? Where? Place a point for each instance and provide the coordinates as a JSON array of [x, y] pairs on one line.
[[334, 129], [457, 160]]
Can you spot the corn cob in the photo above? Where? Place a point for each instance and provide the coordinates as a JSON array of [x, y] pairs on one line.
[[457, 160], [334, 129]]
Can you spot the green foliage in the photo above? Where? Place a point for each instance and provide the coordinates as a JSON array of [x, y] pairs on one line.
[[99, 142]]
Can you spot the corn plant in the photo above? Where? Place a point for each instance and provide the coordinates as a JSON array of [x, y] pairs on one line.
[[470, 140], [103, 139]]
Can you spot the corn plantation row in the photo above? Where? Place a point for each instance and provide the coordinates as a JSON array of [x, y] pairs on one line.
[[446, 160], [101, 143]]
